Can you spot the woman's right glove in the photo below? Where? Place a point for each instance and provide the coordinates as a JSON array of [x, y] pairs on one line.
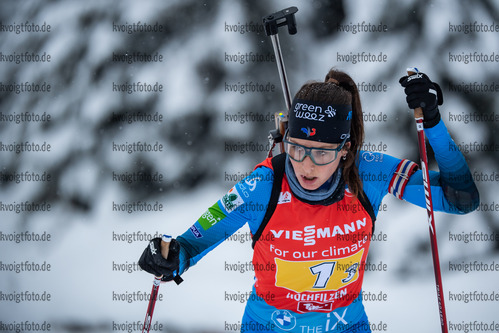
[[422, 92], [152, 261]]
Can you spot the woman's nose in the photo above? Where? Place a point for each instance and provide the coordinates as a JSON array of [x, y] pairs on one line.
[[307, 164]]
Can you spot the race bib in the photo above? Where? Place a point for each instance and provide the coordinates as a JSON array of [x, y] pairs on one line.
[[318, 275]]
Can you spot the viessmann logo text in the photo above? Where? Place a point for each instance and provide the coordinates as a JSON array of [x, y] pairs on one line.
[[309, 234]]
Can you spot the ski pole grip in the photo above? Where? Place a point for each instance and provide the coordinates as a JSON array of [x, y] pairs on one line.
[[165, 245], [418, 112], [165, 249], [281, 18]]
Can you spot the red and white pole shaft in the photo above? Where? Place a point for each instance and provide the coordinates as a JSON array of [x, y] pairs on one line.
[[418, 116], [165, 242]]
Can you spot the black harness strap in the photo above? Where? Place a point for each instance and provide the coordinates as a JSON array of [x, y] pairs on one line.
[[278, 165], [368, 207]]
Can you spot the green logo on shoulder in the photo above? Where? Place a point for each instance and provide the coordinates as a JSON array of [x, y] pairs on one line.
[[232, 200], [211, 217]]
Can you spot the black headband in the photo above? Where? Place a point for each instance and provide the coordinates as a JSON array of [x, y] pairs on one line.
[[319, 122]]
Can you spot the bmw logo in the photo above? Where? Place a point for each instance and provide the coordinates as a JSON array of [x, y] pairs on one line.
[[284, 319]]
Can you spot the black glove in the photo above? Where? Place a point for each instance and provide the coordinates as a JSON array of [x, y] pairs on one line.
[[423, 93], [153, 262]]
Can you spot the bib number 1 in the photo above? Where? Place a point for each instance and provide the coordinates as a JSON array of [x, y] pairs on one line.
[[323, 272]]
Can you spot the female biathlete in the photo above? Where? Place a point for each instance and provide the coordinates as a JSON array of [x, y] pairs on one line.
[[320, 200]]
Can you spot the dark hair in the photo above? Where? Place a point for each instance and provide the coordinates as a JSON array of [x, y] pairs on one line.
[[339, 88]]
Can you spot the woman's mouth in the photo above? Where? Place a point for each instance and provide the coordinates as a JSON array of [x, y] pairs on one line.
[[308, 180]]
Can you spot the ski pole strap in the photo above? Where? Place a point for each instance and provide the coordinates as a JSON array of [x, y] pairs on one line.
[[178, 280], [401, 176]]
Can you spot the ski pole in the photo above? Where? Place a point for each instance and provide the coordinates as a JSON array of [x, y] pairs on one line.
[[418, 116], [152, 303], [165, 241], [272, 23]]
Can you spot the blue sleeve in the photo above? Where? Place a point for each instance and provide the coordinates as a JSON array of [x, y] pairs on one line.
[[246, 202], [376, 171], [453, 189]]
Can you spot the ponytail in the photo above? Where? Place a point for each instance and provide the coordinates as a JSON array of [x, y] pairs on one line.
[[350, 170]]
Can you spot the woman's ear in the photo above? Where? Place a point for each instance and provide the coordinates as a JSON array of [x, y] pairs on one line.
[[345, 150]]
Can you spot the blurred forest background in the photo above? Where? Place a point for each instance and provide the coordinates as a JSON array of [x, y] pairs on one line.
[[203, 128]]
